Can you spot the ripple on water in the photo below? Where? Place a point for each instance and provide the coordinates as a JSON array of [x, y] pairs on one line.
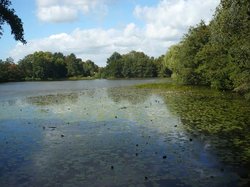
[[104, 137]]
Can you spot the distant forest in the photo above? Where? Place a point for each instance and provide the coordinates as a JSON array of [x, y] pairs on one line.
[[216, 54], [46, 66], [53, 66]]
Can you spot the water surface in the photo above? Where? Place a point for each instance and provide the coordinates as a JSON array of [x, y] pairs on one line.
[[103, 133]]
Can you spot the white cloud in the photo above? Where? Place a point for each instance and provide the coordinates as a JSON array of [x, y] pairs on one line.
[[54, 14], [171, 18], [68, 10], [165, 24]]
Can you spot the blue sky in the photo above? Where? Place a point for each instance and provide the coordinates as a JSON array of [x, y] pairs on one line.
[[94, 29]]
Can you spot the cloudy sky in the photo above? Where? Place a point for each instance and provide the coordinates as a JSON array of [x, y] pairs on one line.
[[94, 29]]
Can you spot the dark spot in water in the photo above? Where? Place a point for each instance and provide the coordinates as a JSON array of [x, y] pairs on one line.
[[243, 173], [164, 157], [136, 154], [29, 123], [112, 167], [6, 142], [62, 135], [68, 123], [136, 145], [156, 153], [146, 178], [190, 139], [123, 107], [68, 108], [211, 176], [115, 116], [175, 126], [43, 128], [221, 169], [146, 143], [21, 110]]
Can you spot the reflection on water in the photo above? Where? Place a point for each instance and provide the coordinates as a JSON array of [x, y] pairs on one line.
[[106, 137]]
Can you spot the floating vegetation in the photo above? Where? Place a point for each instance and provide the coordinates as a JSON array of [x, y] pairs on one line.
[[223, 115], [134, 96], [53, 99], [172, 136]]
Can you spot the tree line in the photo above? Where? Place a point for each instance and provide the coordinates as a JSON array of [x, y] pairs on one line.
[[46, 66], [52, 66], [134, 65], [217, 54]]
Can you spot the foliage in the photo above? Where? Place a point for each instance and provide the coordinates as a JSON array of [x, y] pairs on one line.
[[8, 15], [49, 66], [90, 69], [218, 54], [181, 58], [9, 71], [134, 65], [161, 69], [73, 65], [46, 66], [114, 66]]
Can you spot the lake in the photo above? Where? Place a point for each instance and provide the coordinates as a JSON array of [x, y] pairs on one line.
[[110, 133]]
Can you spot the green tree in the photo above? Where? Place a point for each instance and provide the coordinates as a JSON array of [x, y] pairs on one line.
[[230, 30], [171, 60], [8, 15], [161, 69], [217, 55], [89, 68], [4, 76], [140, 64], [46, 66], [60, 70], [131, 65], [185, 65], [38, 66], [26, 66], [73, 65], [9, 71], [114, 66]]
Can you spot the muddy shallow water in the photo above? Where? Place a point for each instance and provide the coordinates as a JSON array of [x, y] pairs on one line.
[[90, 133]]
